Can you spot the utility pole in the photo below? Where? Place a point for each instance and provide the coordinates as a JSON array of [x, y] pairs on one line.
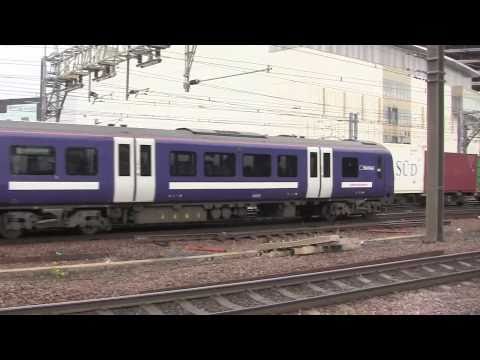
[[189, 56], [42, 109], [435, 140], [457, 113], [353, 126], [89, 85], [128, 74]]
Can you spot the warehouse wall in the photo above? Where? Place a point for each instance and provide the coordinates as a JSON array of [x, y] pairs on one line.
[[305, 94]]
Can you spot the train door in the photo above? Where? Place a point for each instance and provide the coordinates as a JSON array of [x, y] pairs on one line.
[[124, 175], [145, 170], [379, 168], [326, 172], [134, 169], [313, 172]]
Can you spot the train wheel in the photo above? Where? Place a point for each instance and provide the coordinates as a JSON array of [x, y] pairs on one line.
[[226, 213], [369, 213], [90, 228], [11, 234], [106, 224], [328, 213], [215, 214], [93, 226], [369, 216], [460, 201]]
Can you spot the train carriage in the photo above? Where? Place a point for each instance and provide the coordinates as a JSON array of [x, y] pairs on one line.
[[95, 177]]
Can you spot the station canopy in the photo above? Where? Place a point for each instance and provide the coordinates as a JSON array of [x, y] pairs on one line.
[[468, 55]]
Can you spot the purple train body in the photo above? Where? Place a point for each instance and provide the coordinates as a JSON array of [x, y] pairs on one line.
[[95, 177]]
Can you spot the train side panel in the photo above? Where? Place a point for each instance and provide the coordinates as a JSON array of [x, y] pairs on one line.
[[201, 188], [57, 187], [371, 179]]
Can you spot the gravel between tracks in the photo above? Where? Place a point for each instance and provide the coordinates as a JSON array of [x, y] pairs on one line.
[[68, 285], [452, 299]]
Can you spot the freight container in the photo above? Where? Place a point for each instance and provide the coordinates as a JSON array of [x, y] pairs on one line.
[[478, 174], [407, 168], [460, 176]]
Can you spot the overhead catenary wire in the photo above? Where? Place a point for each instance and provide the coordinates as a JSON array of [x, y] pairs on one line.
[[335, 78], [210, 100], [329, 87], [313, 105], [338, 76], [294, 100], [300, 114]]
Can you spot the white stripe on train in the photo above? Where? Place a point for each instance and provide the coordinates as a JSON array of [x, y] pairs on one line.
[[86, 185], [350, 185], [53, 185], [231, 185]]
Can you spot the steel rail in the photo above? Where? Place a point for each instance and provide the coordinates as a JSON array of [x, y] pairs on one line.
[[130, 301], [355, 294], [256, 233]]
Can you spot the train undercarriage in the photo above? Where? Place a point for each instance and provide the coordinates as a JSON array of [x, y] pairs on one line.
[[450, 199], [14, 222]]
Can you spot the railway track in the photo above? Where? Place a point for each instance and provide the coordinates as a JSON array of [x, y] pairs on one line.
[[277, 233], [281, 294]]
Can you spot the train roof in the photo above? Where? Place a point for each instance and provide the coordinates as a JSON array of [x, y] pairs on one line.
[[186, 133]]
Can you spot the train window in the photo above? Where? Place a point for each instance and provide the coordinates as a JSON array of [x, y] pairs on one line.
[[287, 166], [81, 161], [218, 164], [32, 160], [124, 160], [379, 167], [145, 160], [257, 165], [349, 167], [183, 163], [313, 165], [326, 165]]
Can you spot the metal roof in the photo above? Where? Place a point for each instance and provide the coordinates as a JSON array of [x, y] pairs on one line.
[[184, 133], [465, 58], [468, 55], [451, 59]]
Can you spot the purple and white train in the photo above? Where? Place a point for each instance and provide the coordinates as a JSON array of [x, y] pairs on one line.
[[91, 178]]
